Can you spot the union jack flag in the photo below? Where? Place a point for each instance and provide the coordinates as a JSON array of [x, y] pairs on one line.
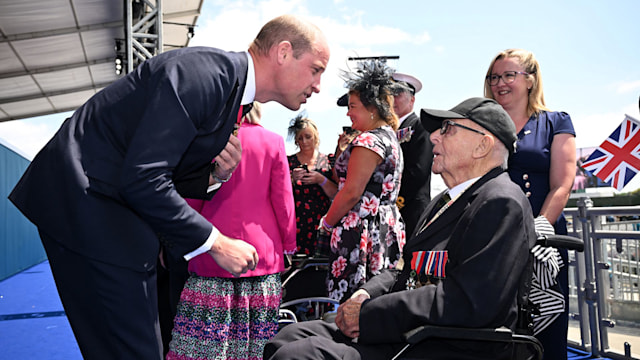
[[617, 160]]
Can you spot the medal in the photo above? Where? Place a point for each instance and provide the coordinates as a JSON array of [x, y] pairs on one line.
[[426, 265], [411, 281], [404, 134]]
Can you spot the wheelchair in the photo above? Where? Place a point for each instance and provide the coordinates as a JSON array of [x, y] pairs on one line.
[[304, 291], [523, 345]]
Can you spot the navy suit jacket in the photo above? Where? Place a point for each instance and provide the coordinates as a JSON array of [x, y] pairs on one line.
[[488, 232], [110, 183]]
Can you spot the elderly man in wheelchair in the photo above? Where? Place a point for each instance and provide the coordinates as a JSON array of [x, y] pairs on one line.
[[467, 264]]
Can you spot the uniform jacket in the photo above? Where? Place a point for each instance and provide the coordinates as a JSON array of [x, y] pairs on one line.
[[111, 181], [487, 232], [415, 190]]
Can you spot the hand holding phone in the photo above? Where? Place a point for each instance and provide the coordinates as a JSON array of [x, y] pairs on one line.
[[298, 173], [348, 130]]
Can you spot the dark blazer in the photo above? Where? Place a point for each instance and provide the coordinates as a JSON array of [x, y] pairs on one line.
[[488, 232], [111, 181], [415, 189]]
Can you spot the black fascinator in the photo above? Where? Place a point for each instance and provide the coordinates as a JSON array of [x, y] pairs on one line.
[[298, 123], [372, 80]]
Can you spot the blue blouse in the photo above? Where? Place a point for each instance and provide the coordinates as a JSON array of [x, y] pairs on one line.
[[529, 165]]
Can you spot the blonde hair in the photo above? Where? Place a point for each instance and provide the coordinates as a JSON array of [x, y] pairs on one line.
[[300, 123], [531, 66], [253, 116]]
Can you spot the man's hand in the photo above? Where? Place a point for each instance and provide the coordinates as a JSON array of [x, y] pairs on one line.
[[233, 255], [348, 316], [228, 159]]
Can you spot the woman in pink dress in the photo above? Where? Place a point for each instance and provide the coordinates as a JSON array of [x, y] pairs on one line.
[[225, 317]]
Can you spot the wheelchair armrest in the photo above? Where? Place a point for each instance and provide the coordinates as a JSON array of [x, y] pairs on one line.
[[561, 242], [417, 335], [303, 262], [501, 334], [311, 299]]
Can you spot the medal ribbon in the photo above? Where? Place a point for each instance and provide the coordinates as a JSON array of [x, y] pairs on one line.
[[404, 134], [430, 263]]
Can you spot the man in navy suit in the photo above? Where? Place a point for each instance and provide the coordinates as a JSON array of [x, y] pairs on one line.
[[480, 238], [109, 187]]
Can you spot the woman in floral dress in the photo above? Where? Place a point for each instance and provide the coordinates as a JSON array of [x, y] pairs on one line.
[[311, 180], [367, 232]]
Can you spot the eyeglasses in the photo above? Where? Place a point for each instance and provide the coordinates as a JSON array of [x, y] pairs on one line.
[[447, 123], [508, 77]]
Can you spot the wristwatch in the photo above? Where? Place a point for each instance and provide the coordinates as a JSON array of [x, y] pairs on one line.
[[217, 179]]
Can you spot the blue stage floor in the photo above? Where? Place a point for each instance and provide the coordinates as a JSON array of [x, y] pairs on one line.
[[33, 324]]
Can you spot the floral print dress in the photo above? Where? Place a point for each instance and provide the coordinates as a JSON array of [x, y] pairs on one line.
[[371, 235], [311, 203]]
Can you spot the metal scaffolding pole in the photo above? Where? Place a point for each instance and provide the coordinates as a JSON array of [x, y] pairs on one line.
[[143, 32]]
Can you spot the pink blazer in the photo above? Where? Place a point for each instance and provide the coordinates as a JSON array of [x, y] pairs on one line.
[[255, 205]]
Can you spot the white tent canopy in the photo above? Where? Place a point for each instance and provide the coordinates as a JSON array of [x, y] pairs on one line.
[[56, 54]]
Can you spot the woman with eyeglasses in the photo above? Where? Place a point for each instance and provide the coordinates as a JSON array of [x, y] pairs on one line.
[[544, 166]]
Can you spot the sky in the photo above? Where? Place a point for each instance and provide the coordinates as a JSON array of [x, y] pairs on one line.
[[588, 51]]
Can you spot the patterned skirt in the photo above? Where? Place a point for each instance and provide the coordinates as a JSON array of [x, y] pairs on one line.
[[225, 318]]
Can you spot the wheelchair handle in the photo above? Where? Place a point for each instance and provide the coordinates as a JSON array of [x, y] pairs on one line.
[[561, 242]]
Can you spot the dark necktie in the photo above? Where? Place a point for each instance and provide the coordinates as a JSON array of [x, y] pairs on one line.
[[441, 203], [246, 109], [444, 199]]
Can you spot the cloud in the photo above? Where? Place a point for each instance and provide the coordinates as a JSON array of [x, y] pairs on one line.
[[593, 129], [29, 135], [349, 30], [422, 38], [627, 87], [367, 36], [233, 25]]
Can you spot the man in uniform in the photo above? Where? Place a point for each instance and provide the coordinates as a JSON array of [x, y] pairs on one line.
[[415, 189]]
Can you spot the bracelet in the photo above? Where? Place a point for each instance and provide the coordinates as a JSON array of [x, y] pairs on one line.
[[217, 179], [324, 181], [325, 225]]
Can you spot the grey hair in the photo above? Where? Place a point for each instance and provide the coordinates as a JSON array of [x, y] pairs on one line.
[[501, 151]]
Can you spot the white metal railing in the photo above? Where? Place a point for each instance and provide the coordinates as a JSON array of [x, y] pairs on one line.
[[606, 273]]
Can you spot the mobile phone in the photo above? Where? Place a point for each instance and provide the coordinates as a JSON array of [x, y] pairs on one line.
[[304, 166], [348, 130]]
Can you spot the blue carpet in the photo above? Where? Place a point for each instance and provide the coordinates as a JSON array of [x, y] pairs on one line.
[[33, 324], [32, 321], [575, 354]]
